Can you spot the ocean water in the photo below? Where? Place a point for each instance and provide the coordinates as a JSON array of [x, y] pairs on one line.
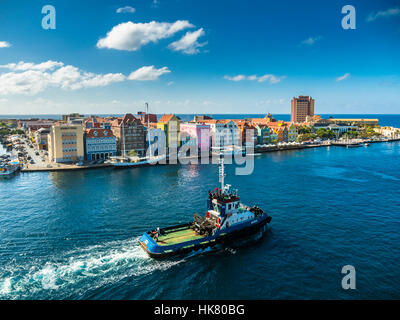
[[384, 119], [73, 235]]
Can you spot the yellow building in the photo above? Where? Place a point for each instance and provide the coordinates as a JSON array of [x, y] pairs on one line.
[[65, 143], [170, 125]]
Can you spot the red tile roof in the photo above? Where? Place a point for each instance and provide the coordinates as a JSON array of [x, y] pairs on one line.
[[166, 117], [129, 117], [101, 133]]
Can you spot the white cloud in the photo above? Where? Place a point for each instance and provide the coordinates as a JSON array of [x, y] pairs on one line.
[[148, 73], [383, 14], [272, 79], [188, 43], [127, 9], [30, 78], [239, 77], [343, 77], [310, 41], [4, 44], [23, 66], [132, 36]]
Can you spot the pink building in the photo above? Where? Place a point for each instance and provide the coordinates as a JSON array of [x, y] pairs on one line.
[[198, 132]]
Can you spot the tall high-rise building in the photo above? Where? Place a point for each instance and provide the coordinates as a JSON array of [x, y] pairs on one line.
[[302, 107]]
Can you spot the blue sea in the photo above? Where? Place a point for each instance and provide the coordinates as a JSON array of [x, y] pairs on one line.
[[384, 119], [73, 235]]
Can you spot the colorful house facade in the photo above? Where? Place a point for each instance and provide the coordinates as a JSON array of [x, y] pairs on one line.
[[130, 135], [248, 132], [292, 132], [156, 138], [100, 144], [263, 133], [170, 125], [200, 133]]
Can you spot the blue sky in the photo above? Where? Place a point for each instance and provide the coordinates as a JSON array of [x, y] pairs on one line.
[[203, 56]]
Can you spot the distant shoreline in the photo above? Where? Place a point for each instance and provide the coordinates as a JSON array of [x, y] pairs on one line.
[[59, 115]]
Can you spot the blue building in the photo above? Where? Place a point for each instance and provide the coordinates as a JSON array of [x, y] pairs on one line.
[[100, 144]]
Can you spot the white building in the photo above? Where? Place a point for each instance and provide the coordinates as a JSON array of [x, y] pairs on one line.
[[156, 137], [223, 132]]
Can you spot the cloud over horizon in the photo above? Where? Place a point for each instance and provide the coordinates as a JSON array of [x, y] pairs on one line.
[[132, 36], [30, 79], [272, 79]]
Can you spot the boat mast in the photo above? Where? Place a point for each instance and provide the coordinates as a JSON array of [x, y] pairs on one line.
[[148, 127], [123, 137], [221, 171]]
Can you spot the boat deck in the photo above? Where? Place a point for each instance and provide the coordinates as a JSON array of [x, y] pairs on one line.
[[178, 236]]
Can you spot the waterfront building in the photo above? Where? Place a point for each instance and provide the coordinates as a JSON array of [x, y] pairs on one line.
[[170, 124], [224, 133], [100, 144], [349, 121], [280, 129], [281, 132], [388, 132], [198, 132], [156, 137], [130, 135], [273, 136], [41, 138], [301, 107], [263, 133], [246, 128], [338, 129], [292, 132], [65, 143]]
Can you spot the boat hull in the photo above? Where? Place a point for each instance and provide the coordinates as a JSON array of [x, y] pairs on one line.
[[223, 237], [148, 162]]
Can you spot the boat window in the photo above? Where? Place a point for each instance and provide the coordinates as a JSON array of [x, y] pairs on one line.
[[229, 207]]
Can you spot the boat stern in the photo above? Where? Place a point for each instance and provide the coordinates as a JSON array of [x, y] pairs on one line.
[[150, 246]]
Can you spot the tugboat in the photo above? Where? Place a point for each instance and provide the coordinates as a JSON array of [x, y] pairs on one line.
[[226, 219]]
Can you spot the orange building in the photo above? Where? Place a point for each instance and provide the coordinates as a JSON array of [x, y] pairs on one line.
[[301, 108]]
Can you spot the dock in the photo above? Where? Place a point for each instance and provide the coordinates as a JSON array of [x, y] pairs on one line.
[[62, 167]]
